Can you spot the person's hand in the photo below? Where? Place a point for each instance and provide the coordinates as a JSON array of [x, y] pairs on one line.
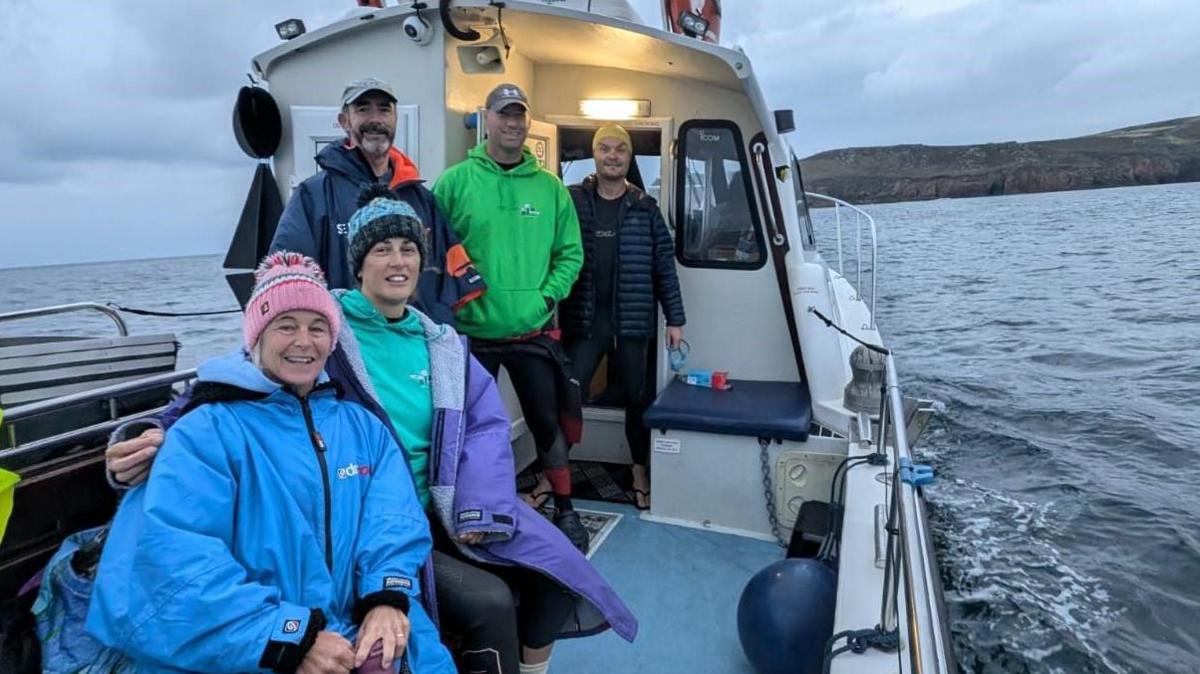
[[129, 461], [470, 538], [674, 335], [331, 653], [386, 624]]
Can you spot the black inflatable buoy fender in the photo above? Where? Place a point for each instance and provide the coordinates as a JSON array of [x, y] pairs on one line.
[[785, 616]]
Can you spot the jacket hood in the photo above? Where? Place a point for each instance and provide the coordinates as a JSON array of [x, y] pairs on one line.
[[348, 161], [528, 166], [355, 304], [404, 170], [235, 369]]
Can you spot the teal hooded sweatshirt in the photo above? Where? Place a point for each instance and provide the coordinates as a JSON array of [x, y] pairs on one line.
[[397, 360]]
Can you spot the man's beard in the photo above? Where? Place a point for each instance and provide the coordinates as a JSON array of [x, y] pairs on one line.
[[614, 172], [374, 145]]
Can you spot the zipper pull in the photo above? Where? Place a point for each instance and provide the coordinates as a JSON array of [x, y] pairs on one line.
[[318, 440]]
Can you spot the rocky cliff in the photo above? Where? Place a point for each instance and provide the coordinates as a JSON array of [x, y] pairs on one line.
[[1163, 152]]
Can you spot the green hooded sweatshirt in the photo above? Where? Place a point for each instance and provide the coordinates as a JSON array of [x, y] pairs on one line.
[[520, 228]]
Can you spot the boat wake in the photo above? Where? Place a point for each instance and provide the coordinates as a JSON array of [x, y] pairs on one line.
[[1012, 597]]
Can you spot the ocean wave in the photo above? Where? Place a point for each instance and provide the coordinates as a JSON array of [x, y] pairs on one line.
[[1001, 569]]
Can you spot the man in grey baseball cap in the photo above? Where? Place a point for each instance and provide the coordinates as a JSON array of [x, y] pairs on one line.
[[505, 95], [357, 88], [529, 240], [314, 222]]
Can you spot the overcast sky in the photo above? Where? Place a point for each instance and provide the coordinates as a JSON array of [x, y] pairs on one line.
[[115, 137]]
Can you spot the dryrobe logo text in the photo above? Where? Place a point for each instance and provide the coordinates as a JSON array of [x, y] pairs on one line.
[[393, 582], [353, 470]]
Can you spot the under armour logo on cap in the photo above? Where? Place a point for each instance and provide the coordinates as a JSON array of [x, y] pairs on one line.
[[504, 95]]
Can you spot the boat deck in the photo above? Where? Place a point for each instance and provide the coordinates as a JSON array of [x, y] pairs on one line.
[[682, 585]]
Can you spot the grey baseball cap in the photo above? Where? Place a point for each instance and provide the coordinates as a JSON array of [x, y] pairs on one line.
[[359, 87], [504, 95]]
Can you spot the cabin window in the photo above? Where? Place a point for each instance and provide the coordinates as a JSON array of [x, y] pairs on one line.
[[716, 221], [808, 239]]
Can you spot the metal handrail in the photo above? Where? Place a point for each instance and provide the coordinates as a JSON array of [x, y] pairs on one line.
[[760, 157], [859, 216], [77, 434], [927, 647], [40, 407], [107, 310]]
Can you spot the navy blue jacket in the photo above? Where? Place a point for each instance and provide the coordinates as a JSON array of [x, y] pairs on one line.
[[645, 268], [314, 223]]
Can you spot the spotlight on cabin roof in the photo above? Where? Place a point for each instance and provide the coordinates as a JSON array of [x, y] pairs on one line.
[[694, 25], [291, 28]]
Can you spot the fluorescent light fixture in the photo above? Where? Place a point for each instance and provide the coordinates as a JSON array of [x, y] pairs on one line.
[[614, 108], [289, 29]]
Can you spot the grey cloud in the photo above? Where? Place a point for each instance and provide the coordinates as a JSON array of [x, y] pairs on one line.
[[969, 71], [131, 81], [115, 129], [119, 210]]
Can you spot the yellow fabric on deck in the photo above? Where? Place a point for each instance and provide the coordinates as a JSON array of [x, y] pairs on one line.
[[8, 484]]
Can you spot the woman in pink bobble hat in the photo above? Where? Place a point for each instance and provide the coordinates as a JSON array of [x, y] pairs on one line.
[[280, 528]]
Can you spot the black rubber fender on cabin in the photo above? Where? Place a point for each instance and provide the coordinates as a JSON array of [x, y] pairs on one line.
[[256, 122]]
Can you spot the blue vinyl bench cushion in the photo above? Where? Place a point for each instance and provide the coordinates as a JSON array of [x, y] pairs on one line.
[[771, 409]]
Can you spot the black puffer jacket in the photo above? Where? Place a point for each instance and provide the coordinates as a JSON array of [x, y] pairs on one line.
[[645, 267]]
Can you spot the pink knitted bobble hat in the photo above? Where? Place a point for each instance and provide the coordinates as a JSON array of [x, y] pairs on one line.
[[283, 282]]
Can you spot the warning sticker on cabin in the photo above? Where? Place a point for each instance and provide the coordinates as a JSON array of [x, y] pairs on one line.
[[666, 445]]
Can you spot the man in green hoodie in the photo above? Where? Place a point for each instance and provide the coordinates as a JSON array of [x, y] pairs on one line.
[[519, 225]]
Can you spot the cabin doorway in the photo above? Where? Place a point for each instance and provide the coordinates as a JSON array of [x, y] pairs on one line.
[[604, 406]]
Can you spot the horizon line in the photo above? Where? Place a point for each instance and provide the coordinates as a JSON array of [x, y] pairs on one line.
[[110, 261]]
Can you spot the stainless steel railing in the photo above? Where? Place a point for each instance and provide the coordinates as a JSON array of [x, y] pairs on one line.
[[109, 393], [107, 310], [862, 220], [104, 392], [928, 648]]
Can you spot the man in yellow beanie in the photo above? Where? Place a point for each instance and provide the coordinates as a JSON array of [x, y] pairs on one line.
[[628, 266]]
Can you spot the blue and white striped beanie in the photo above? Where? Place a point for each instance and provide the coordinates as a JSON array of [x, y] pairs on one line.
[[382, 216]]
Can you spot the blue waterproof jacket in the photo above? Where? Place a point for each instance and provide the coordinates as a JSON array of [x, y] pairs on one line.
[[266, 518], [314, 223]]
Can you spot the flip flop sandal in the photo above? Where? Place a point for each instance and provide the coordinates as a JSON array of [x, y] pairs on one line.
[[645, 498], [537, 499]]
